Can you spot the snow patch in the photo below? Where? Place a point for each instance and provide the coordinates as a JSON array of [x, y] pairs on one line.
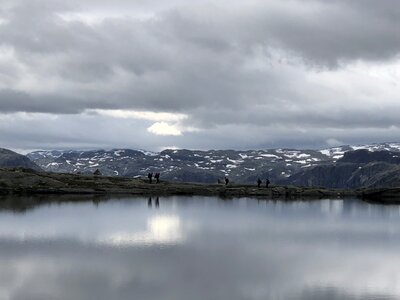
[[149, 153], [118, 152], [269, 155], [235, 161], [216, 160]]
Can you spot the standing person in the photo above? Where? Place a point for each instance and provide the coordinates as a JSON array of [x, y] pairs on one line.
[[157, 177], [267, 182], [226, 180], [259, 182], [150, 177]]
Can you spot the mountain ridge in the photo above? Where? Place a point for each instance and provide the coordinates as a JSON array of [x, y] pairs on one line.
[[286, 166], [11, 159]]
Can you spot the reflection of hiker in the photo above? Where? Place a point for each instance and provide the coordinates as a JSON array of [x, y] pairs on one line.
[[157, 177], [259, 182], [226, 180], [267, 182], [157, 202], [150, 177], [149, 204]]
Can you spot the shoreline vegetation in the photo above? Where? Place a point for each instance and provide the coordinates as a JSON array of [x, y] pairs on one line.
[[19, 181]]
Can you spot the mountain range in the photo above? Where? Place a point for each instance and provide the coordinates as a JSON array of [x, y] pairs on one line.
[[337, 167]]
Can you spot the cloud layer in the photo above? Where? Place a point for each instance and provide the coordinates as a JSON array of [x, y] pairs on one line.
[[228, 74]]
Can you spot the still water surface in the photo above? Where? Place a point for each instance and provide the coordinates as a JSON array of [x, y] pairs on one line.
[[200, 248]]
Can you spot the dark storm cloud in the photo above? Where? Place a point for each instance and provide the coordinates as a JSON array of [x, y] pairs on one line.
[[259, 63]]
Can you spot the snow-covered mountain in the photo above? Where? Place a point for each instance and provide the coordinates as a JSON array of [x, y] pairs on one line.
[[198, 166], [338, 152]]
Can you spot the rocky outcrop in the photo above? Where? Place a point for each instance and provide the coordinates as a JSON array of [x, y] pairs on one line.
[[10, 159], [364, 156], [349, 175]]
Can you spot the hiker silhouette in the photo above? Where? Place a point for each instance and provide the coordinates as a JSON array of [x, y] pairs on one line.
[[267, 182], [259, 182]]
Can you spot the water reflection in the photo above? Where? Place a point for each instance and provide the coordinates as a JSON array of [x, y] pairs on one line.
[[162, 229], [156, 203], [199, 248]]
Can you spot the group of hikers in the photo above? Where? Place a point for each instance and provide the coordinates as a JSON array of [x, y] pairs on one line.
[[156, 177], [259, 182]]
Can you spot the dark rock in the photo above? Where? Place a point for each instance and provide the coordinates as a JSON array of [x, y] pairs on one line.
[[10, 159], [364, 156]]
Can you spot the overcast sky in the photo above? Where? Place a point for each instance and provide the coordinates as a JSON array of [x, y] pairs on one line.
[[219, 74]]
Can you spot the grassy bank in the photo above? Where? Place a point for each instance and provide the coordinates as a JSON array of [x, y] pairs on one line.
[[28, 182]]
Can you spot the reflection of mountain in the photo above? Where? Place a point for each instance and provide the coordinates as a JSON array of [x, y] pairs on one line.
[[22, 203], [343, 167]]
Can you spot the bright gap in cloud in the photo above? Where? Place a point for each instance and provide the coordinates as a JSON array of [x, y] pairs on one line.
[[99, 17], [163, 128]]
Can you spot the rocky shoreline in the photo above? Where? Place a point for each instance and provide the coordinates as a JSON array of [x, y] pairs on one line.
[[29, 182]]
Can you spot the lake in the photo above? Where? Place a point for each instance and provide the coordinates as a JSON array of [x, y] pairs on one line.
[[198, 248]]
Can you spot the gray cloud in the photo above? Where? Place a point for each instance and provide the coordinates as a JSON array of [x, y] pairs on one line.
[[336, 31], [313, 65]]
